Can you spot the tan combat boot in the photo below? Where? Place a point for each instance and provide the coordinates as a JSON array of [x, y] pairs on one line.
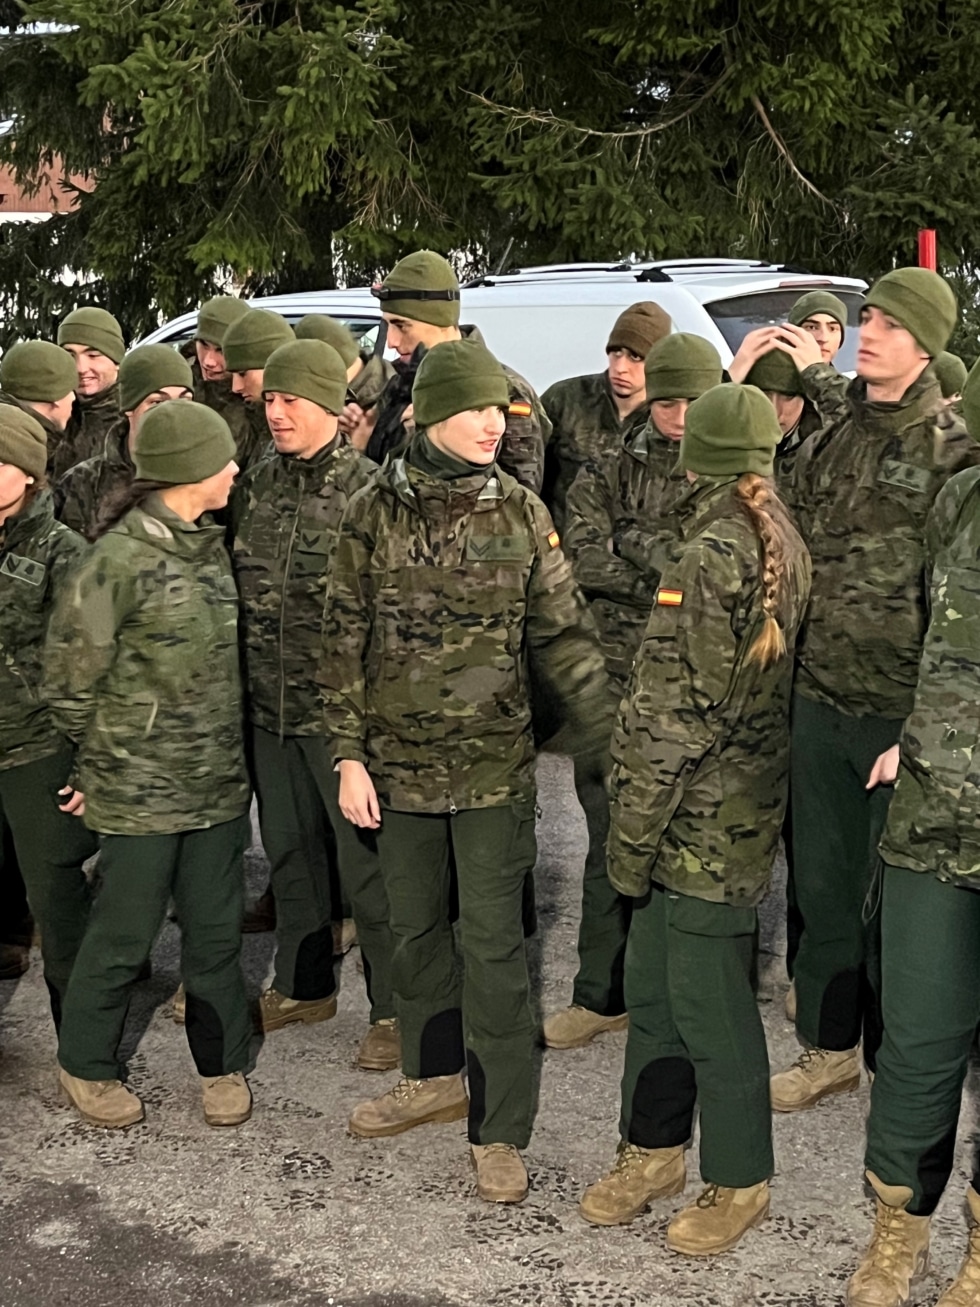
[[276, 1010], [574, 1027], [639, 1176], [227, 1099], [408, 1104], [501, 1176], [718, 1219], [344, 936], [101, 1102], [965, 1289], [381, 1047], [816, 1073], [898, 1254], [177, 1010]]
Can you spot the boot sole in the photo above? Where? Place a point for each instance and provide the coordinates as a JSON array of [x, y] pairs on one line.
[[94, 1120], [455, 1112], [669, 1191], [376, 1064], [844, 1087], [238, 1119], [915, 1281], [617, 1023], [725, 1247], [308, 1018]]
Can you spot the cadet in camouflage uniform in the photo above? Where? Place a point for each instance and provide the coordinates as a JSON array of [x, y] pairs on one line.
[[142, 675], [94, 339], [420, 304], [778, 377], [592, 416], [367, 374], [149, 375], [212, 380], [618, 528], [36, 762], [951, 374], [930, 936], [449, 591], [698, 788], [285, 516], [40, 378], [248, 342], [862, 488]]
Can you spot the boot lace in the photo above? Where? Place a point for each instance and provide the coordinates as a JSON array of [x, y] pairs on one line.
[[629, 1158], [890, 1245], [709, 1197], [965, 1289], [810, 1057], [405, 1090]]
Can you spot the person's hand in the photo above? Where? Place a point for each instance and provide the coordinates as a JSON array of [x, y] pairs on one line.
[[74, 801], [885, 769], [799, 344], [358, 798], [752, 348]]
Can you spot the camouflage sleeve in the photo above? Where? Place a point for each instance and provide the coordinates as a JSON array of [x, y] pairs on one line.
[[826, 389], [647, 551], [589, 535], [669, 720], [347, 626], [81, 640], [527, 432], [956, 497]]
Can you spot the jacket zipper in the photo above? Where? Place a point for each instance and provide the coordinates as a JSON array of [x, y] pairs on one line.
[[282, 615]]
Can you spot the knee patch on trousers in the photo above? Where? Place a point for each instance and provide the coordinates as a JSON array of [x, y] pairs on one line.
[[933, 1172], [205, 1035], [662, 1110], [313, 973], [441, 1048], [839, 1026]]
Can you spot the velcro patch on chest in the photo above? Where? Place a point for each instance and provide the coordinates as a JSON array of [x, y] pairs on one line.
[[670, 598], [519, 409], [497, 549], [904, 475], [23, 569]]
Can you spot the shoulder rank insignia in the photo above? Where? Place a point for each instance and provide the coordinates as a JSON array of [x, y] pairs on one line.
[[519, 409], [672, 598]]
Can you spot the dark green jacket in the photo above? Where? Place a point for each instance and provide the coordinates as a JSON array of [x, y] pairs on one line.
[[934, 816], [91, 418], [286, 515], [701, 751], [862, 488], [141, 672], [446, 598], [81, 495], [36, 557]]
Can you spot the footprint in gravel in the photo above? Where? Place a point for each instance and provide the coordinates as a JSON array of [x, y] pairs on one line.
[[540, 1259], [305, 1166], [500, 1225]]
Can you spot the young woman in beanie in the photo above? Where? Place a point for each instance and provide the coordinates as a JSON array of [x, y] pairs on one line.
[[37, 800], [448, 585], [698, 788], [142, 675]]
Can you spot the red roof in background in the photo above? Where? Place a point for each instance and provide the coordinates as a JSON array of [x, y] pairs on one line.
[[50, 198]]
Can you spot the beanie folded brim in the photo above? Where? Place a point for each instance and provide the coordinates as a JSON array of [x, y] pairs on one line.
[[444, 399]]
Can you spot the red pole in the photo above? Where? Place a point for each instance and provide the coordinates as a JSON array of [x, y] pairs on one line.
[[927, 248]]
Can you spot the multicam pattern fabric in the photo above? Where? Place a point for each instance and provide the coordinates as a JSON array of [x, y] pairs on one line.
[[367, 386], [36, 557], [448, 601], [91, 418], [862, 488], [82, 493], [286, 515], [934, 816], [141, 672], [701, 750]]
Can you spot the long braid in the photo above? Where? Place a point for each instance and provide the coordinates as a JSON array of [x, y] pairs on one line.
[[764, 508]]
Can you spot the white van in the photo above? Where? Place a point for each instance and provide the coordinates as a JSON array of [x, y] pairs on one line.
[[553, 322]]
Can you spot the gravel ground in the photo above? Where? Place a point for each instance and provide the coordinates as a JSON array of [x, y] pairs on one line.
[[290, 1210]]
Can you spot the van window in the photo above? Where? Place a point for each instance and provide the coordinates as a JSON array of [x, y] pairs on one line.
[[737, 316]]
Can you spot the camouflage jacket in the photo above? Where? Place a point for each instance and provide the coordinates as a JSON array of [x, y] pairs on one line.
[[618, 529], [862, 488], [446, 599], [141, 672], [586, 428], [54, 435], [791, 444], [285, 518], [701, 751], [251, 437], [527, 431], [36, 555], [81, 494], [365, 390], [934, 816], [91, 418]]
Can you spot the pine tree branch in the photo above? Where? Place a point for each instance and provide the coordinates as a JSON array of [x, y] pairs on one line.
[[783, 149]]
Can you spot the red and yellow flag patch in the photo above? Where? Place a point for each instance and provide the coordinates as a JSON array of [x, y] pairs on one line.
[[553, 539], [672, 598], [519, 409]]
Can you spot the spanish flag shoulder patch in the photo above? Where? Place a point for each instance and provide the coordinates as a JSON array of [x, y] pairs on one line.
[[553, 539], [672, 598], [519, 409]]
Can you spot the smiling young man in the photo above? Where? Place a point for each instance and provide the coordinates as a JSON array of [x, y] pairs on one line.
[[862, 488], [248, 341], [94, 339]]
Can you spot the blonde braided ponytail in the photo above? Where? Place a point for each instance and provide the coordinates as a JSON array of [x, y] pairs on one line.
[[765, 511]]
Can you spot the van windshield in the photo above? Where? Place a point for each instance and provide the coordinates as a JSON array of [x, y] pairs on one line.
[[737, 316]]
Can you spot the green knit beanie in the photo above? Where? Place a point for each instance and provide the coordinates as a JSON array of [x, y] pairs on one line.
[[681, 366], [819, 301], [775, 371], [23, 441], [38, 371], [251, 338], [216, 315], [181, 442], [951, 371], [638, 329], [921, 301], [423, 287], [95, 329], [455, 377], [147, 369], [730, 430], [309, 369], [320, 326]]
